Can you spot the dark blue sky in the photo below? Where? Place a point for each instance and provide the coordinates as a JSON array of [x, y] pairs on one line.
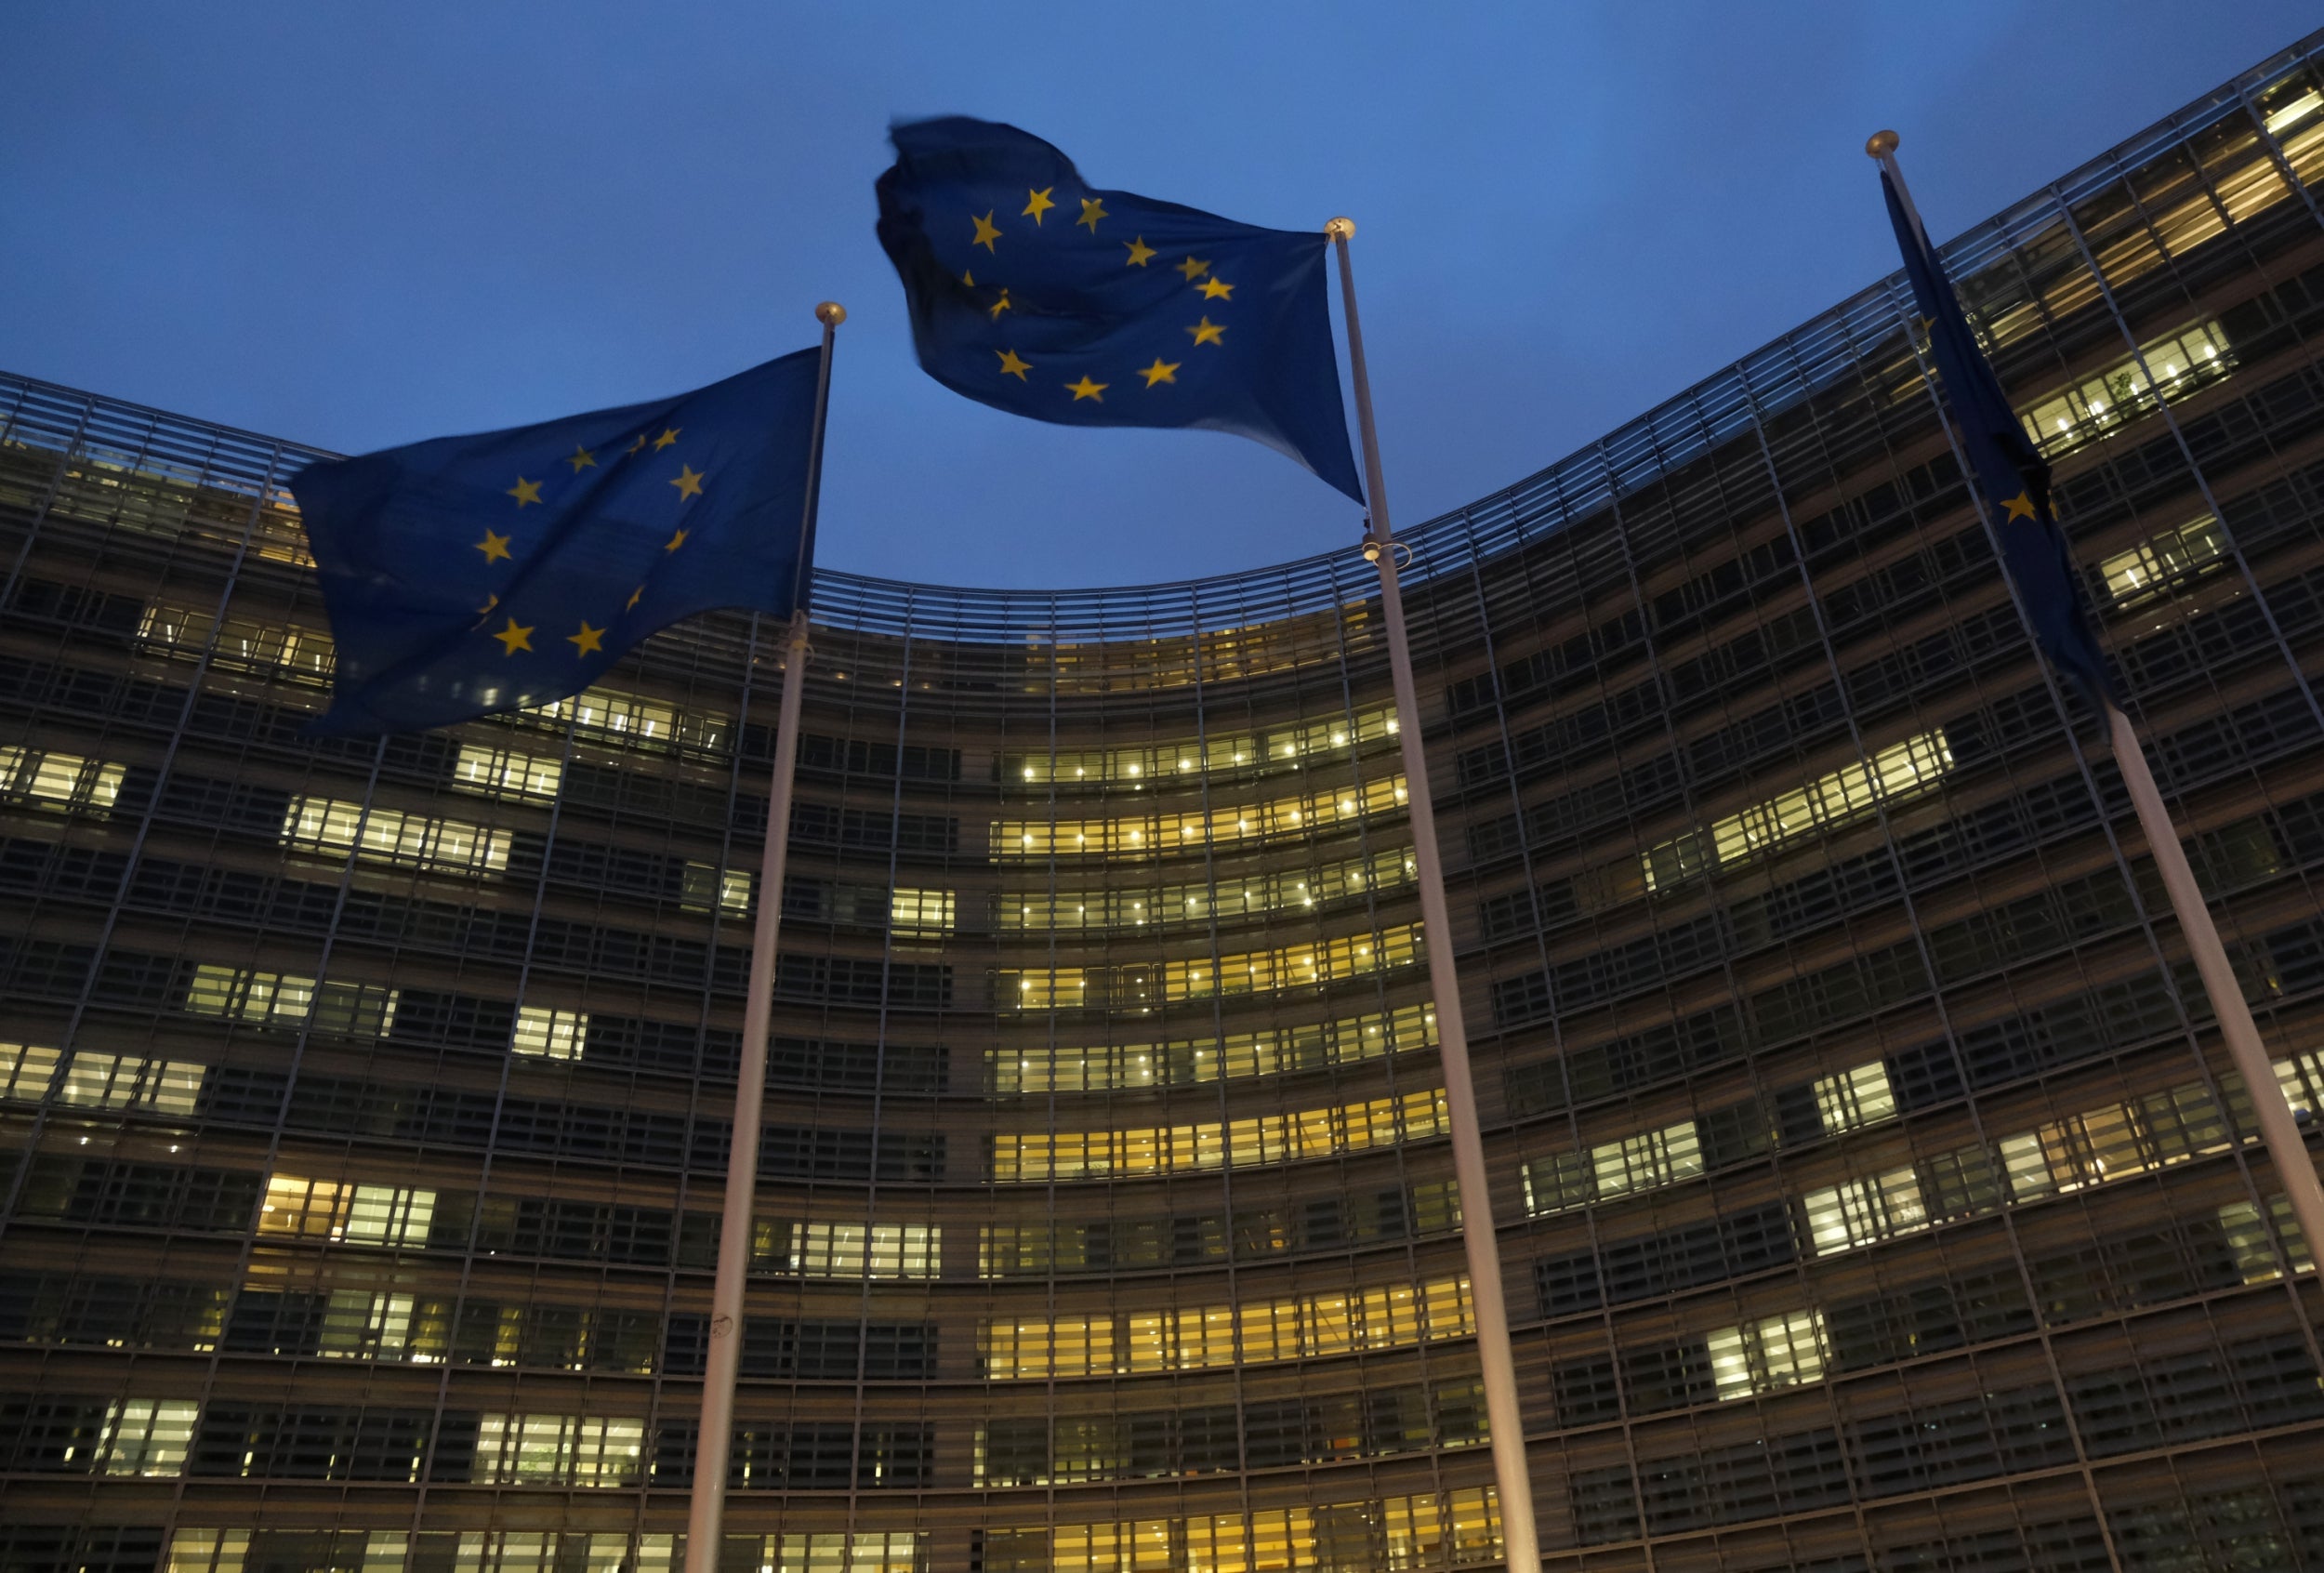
[[361, 226]]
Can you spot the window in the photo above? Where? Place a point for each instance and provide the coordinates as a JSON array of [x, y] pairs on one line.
[[357, 1325], [1897, 770], [336, 825], [1309, 1045], [1860, 1211], [1263, 1139], [1147, 836], [2249, 1241], [380, 1215], [1202, 902], [26, 1071], [1275, 749], [107, 1081], [891, 1550], [559, 1451], [633, 717], [281, 999], [67, 779], [921, 912], [703, 885], [2180, 362], [1857, 1096], [245, 644], [1396, 1535], [1646, 1161], [549, 1035], [2152, 566], [148, 1436], [503, 772], [1255, 971], [1191, 1338], [1768, 1355], [856, 1250]]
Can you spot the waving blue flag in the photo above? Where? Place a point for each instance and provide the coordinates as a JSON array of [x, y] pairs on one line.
[[2010, 471], [470, 574], [1035, 292]]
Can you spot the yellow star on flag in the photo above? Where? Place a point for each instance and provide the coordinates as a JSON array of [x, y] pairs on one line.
[[967, 278], [495, 547], [632, 606], [1091, 214], [525, 491], [1140, 252], [668, 436], [1039, 203], [1085, 389], [987, 233], [1213, 288], [1209, 332], [588, 642], [675, 541], [1193, 268], [636, 445], [1002, 305], [582, 459], [2021, 505], [689, 482], [1161, 371], [515, 637], [486, 609], [1011, 366]]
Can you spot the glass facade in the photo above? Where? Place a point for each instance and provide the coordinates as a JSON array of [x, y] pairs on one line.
[[1874, 1193]]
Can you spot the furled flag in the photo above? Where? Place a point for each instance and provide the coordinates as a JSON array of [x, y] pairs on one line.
[[470, 574], [1034, 292], [2010, 471]]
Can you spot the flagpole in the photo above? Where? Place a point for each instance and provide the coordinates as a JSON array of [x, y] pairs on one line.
[[1520, 1544], [2287, 1148], [707, 1512]]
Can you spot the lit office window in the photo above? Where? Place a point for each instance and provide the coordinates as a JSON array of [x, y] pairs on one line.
[[242, 644], [921, 912], [1159, 906], [857, 1250], [2180, 362], [606, 714], [549, 1035], [1255, 971], [1382, 1317], [1629, 1164], [2153, 565], [284, 1000], [41, 775], [26, 1070], [1276, 748], [1860, 1211], [1898, 770], [1394, 1535], [2252, 1240], [873, 1550], [503, 772], [559, 1451], [1164, 835], [704, 885], [1309, 1045], [391, 835], [148, 1436], [1768, 1355], [360, 1326], [379, 1215], [1021, 1156], [1858, 1096], [111, 1082]]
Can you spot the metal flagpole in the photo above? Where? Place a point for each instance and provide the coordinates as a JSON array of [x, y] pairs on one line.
[[706, 1514], [1520, 1545], [2287, 1149]]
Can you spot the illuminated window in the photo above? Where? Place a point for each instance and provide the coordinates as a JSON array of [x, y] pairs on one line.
[[26, 1071], [921, 912], [559, 1451], [1396, 1535], [503, 772], [1898, 770], [1263, 1139], [891, 1550], [1629, 1164], [1274, 749], [633, 718], [1860, 1211], [358, 1326], [242, 644], [1161, 835], [549, 1035], [148, 1436], [281, 999], [109, 1081], [1382, 1317], [1769, 1354], [730, 888], [2180, 362], [2153, 565], [322, 1210], [2254, 1243], [1858, 1096], [335, 824], [1162, 907], [1256, 971], [1310, 1046], [856, 1250], [67, 779]]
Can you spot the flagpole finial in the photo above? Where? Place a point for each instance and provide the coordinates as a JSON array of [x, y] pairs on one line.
[[1879, 144], [1341, 229], [831, 313]]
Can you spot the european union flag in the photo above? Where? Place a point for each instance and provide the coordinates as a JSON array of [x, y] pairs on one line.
[[2009, 468], [470, 574], [1035, 293]]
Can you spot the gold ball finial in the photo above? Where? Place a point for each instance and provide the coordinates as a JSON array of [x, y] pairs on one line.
[[831, 313], [1341, 229], [1879, 144]]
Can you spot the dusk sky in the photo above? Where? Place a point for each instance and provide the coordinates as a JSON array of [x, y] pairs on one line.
[[358, 227]]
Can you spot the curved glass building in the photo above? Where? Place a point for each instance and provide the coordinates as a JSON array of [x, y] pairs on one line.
[[1873, 1192]]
